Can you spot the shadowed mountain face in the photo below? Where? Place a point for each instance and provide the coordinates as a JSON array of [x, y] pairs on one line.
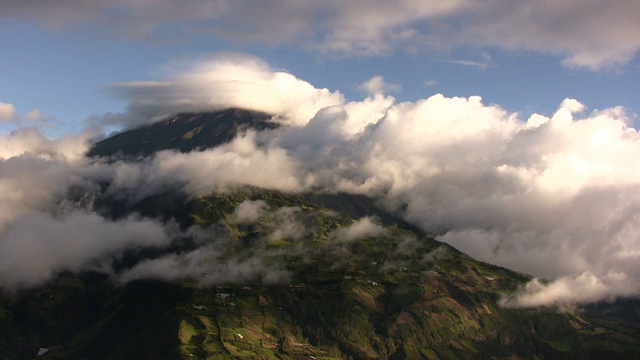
[[260, 274], [184, 132]]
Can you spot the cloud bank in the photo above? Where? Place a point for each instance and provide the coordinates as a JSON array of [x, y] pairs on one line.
[[38, 246], [224, 80], [591, 34], [552, 195]]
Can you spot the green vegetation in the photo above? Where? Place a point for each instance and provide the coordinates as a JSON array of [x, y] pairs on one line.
[[395, 295], [183, 132]]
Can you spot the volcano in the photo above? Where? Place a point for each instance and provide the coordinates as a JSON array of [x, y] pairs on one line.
[[255, 273]]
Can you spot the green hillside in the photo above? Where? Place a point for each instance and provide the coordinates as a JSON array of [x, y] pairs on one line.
[[395, 295], [183, 132], [270, 275]]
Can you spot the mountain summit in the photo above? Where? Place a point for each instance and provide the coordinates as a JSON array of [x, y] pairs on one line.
[[253, 273], [184, 132]]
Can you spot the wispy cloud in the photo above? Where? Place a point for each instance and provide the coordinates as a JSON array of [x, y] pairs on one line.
[[482, 64]]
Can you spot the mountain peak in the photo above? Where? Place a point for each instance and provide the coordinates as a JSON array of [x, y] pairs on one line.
[[184, 132]]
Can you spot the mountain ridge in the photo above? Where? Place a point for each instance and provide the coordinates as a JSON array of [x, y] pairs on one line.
[[259, 273], [183, 132]]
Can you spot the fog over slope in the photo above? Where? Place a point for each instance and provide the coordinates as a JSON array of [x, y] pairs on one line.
[[555, 196]]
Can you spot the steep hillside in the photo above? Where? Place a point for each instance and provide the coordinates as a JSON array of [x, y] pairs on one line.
[[262, 274], [183, 132], [388, 293]]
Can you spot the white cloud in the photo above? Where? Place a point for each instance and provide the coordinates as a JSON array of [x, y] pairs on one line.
[[36, 172], [42, 231], [38, 246], [555, 196], [552, 196], [249, 212], [32, 142], [289, 224], [208, 266], [555, 199], [363, 228], [7, 112], [568, 290], [225, 80], [377, 85], [480, 64], [32, 116], [572, 105], [588, 34], [240, 162]]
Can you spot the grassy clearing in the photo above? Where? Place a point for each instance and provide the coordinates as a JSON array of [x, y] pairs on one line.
[[277, 243], [593, 331], [186, 332], [562, 345]]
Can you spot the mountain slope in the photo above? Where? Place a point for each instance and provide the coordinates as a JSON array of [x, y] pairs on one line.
[[261, 274], [184, 132], [396, 294]]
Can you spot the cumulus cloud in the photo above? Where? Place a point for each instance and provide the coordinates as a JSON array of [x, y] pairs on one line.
[[548, 195], [555, 199], [32, 142], [241, 162], [249, 212], [555, 196], [377, 85], [286, 223], [31, 118], [223, 81], [42, 231], [591, 34], [208, 266], [289, 224], [37, 246], [222, 261], [363, 228], [7, 111], [562, 292], [36, 172]]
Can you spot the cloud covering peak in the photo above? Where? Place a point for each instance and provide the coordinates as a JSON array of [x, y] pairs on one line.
[[552, 195], [225, 80]]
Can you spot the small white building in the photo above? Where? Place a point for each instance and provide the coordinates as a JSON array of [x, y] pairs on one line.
[[42, 351]]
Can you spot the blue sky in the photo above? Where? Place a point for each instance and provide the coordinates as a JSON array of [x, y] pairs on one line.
[[61, 58]]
